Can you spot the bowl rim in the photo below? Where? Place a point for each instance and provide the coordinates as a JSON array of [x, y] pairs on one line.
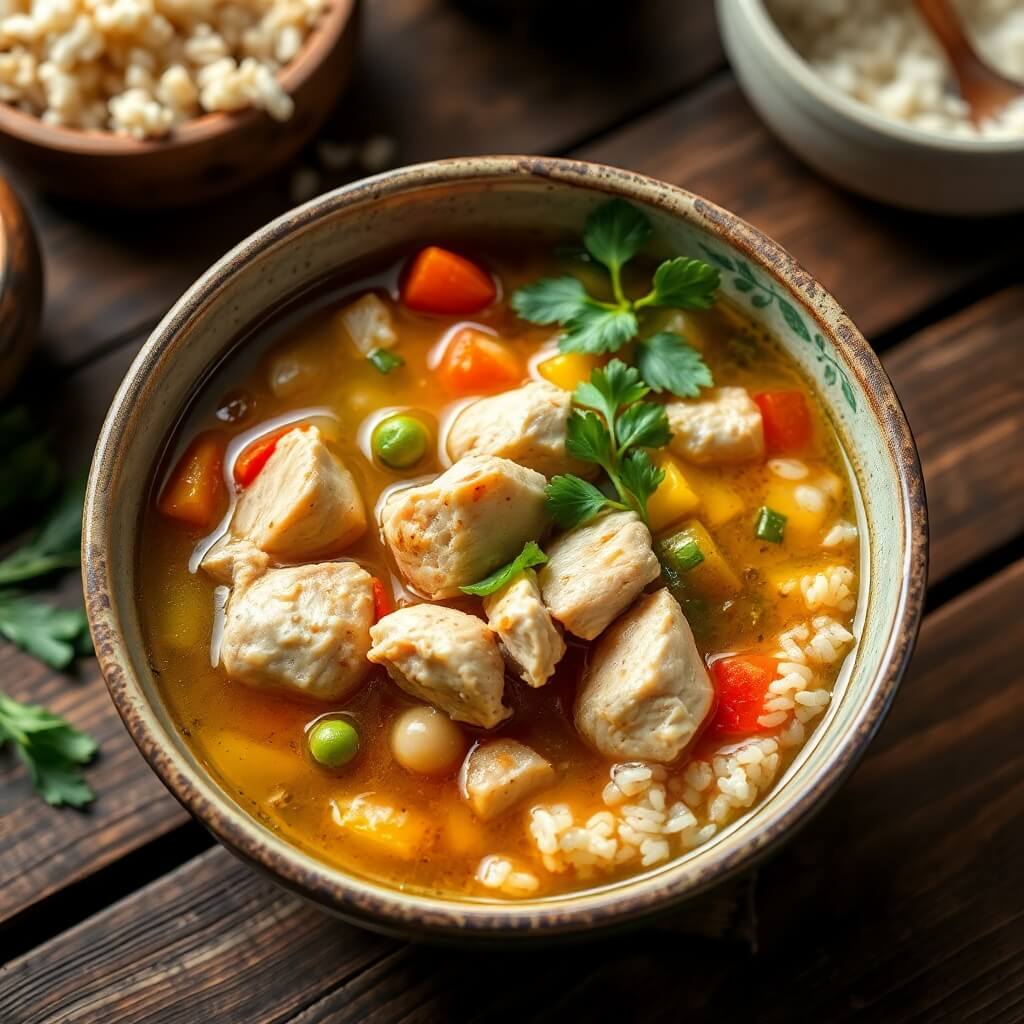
[[792, 63], [381, 907], [32, 130]]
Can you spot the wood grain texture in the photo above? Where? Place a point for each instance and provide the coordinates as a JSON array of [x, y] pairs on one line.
[[906, 872], [429, 76], [883, 265]]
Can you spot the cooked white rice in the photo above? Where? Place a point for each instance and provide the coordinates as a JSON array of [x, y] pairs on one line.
[[881, 53], [140, 67]]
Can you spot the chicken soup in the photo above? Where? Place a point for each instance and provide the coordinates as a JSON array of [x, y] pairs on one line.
[[504, 570]]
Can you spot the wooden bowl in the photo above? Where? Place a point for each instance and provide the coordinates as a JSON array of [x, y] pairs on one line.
[[203, 158], [21, 288], [339, 231]]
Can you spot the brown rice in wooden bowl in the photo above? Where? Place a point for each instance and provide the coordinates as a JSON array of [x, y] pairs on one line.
[[166, 102]]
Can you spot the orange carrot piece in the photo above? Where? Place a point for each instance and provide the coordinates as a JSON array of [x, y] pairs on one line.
[[382, 601], [254, 457], [195, 492], [439, 281], [475, 363]]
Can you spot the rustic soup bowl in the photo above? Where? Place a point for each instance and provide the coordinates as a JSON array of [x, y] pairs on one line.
[[204, 158], [21, 288], [488, 194]]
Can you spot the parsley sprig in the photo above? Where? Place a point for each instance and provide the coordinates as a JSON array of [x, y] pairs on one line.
[[51, 749], [613, 235], [613, 428], [530, 556]]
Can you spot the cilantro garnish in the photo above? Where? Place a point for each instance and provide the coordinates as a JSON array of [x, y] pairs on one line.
[[51, 749], [530, 556], [614, 233], [611, 427]]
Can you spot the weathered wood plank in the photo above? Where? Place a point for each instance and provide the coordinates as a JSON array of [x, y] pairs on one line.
[[430, 77], [883, 265], [905, 874]]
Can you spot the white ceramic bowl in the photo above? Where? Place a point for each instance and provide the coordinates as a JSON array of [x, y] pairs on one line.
[[855, 146]]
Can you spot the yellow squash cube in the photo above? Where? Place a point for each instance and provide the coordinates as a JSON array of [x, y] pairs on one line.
[[374, 821], [568, 369], [674, 499], [693, 555], [719, 502]]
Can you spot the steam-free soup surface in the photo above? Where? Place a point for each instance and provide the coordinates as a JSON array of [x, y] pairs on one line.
[[780, 598]]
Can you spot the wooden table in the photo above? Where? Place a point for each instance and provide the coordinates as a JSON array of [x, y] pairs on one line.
[[903, 901]]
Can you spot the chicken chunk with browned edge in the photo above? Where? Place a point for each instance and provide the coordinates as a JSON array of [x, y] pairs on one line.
[[596, 570], [646, 692], [498, 774], [462, 526], [724, 425], [301, 629], [445, 657]]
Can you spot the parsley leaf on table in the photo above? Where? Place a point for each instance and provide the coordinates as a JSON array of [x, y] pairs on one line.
[[29, 472], [55, 546], [51, 749], [53, 635], [668, 363], [614, 233], [530, 556]]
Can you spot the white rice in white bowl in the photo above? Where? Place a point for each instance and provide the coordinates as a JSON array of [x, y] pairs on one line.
[[882, 54], [140, 67]]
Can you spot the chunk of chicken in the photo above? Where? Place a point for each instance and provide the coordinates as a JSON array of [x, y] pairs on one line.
[[472, 519], [646, 691], [445, 657], [304, 504], [724, 425], [301, 629], [530, 639], [368, 323], [498, 774], [526, 425], [595, 571]]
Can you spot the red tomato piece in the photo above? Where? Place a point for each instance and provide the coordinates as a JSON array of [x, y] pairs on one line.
[[254, 457], [787, 421], [741, 683], [382, 602], [439, 281]]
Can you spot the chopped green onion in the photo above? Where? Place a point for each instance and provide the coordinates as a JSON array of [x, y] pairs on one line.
[[682, 552], [385, 361], [770, 526]]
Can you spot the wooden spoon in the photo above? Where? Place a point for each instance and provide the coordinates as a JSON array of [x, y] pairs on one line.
[[985, 89], [21, 288]]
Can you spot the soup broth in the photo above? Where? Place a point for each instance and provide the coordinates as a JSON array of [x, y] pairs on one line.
[[786, 599]]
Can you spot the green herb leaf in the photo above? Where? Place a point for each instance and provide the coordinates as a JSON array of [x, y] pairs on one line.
[[57, 544], [53, 635], [668, 363], [597, 327], [587, 438], [552, 300], [530, 556], [573, 502], [643, 425], [640, 476], [609, 388], [683, 283], [29, 472], [615, 232], [385, 361], [51, 749]]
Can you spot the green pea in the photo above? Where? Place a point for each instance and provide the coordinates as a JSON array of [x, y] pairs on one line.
[[333, 742], [400, 441]]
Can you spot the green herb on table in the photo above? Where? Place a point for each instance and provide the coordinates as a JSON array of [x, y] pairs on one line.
[[51, 749], [614, 233], [530, 556], [613, 429], [29, 472], [56, 636]]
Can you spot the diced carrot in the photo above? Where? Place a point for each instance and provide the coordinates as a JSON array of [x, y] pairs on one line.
[[382, 601], [475, 363], [440, 281], [741, 683], [195, 492], [787, 420], [254, 457]]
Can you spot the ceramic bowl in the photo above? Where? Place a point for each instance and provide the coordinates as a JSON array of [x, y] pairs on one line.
[[21, 288], [494, 194], [203, 158], [857, 147]]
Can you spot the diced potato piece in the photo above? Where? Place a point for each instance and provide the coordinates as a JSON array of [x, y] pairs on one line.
[[807, 504], [674, 499], [292, 371], [568, 369], [719, 502], [700, 565], [369, 818], [461, 835], [368, 323], [267, 768]]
